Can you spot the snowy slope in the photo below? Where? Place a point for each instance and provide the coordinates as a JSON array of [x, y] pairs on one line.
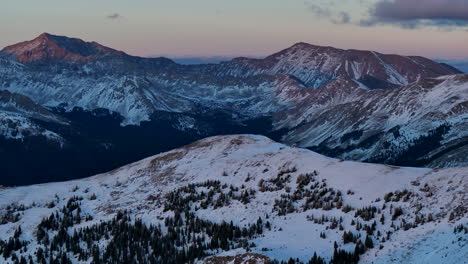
[[14, 126], [137, 98], [272, 171], [17, 115], [382, 125], [17, 103]]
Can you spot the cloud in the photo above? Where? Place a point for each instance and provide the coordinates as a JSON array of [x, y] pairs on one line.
[[416, 13], [327, 13], [342, 18], [318, 10], [114, 16]]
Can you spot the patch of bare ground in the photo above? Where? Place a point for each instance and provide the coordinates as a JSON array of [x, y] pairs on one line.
[[429, 83], [248, 258], [115, 171], [199, 144], [236, 140], [166, 158], [462, 77], [155, 166], [392, 167], [460, 108]]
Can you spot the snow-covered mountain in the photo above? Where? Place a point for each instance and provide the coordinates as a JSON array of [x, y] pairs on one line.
[[316, 66], [51, 47], [279, 202], [17, 115], [349, 104], [425, 123], [61, 70], [132, 86]]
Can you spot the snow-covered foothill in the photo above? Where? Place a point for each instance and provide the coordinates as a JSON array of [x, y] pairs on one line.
[[430, 202]]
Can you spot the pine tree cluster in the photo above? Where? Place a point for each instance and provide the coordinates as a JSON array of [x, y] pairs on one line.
[[309, 194], [183, 239], [209, 194]]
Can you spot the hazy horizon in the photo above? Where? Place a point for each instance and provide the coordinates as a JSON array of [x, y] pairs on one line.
[[214, 28]]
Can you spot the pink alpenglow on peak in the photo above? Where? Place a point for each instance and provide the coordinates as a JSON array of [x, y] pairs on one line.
[[51, 47]]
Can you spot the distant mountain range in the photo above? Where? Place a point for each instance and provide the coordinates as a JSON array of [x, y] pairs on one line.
[[200, 60], [461, 65], [91, 108]]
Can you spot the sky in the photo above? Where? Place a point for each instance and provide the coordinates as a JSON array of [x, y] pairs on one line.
[[204, 28]]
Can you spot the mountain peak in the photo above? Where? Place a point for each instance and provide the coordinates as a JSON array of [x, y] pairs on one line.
[[51, 47], [309, 46], [303, 45], [44, 35]]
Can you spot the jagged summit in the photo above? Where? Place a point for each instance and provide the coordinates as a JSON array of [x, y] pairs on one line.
[[51, 47]]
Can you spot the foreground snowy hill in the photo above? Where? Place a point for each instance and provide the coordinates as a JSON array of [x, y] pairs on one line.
[[228, 195]]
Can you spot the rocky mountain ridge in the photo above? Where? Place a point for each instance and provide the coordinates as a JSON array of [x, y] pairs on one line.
[[316, 66]]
